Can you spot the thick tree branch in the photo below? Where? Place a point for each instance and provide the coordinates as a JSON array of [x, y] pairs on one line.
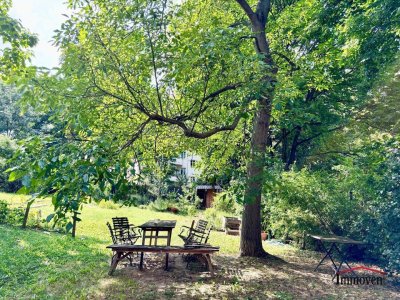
[[186, 130], [228, 87], [262, 11], [317, 135], [247, 9]]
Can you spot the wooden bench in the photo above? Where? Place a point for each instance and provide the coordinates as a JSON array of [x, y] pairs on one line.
[[122, 251]]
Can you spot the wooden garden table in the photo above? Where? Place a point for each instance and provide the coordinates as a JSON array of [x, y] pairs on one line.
[[152, 229]]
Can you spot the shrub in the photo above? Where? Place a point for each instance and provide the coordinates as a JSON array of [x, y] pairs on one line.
[[4, 210], [214, 217], [108, 204], [9, 215], [16, 216], [7, 149], [225, 202], [159, 205]]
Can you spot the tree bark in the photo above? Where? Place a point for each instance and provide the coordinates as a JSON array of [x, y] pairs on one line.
[[293, 150], [250, 242], [26, 215]]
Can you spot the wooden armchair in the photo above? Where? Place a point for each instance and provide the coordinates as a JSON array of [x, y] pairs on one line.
[[122, 232], [196, 234]]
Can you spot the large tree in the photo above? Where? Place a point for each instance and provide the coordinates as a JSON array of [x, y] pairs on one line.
[[135, 71]]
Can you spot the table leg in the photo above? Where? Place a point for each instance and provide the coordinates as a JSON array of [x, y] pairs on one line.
[[141, 254], [209, 264], [343, 261], [114, 262], [156, 238], [168, 244], [328, 254]]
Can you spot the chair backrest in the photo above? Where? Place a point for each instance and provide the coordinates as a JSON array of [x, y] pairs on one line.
[[113, 237], [120, 222], [200, 233], [201, 225]]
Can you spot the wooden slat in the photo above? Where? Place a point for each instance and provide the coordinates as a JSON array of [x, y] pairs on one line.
[[162, 249]]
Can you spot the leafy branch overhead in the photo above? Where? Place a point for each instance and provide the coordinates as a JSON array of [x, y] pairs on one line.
[[249, 81]]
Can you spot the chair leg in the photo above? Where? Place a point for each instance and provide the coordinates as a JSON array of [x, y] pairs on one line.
[[130, 260]]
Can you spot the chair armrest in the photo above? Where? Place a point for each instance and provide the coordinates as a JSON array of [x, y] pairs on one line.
[[199, 230], [132, 229]]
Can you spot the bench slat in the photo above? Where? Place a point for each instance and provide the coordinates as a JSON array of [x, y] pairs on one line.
[[162, 249]]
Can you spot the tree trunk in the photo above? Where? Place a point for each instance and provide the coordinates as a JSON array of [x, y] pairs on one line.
[[293, 150], [26, 215], [250, 242]]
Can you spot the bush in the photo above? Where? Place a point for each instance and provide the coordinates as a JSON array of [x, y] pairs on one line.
[[108, 204], [4, 210], [7, 149], [214, 217], [159, 205], [225, 202], [13, 216]]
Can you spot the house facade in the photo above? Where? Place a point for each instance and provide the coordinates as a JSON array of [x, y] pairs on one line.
[[186, 166]]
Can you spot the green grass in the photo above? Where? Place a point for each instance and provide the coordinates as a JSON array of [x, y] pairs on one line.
[[47, 265], [94, 220], [51, 265]]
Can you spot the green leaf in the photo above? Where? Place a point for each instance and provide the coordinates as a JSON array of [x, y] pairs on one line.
[[69, 226], [26, 181], [49, 218], [15, 175], [23, 191]]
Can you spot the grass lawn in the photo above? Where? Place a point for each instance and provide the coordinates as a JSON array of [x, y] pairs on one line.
[[42, 265]]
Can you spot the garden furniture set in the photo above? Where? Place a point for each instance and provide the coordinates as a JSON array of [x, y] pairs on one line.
[[125, 237]]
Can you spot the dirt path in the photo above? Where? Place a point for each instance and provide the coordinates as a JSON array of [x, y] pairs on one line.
[[239, 278]]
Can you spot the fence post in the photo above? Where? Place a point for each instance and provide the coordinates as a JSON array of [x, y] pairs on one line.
[[74, 219]]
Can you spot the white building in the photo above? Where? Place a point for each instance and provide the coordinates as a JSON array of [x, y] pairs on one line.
[[186, 166]]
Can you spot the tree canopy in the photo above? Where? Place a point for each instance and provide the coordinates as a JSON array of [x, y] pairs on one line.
[[257, 84]]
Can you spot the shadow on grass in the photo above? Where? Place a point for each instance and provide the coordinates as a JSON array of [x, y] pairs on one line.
[[49, 265], [36, 264]]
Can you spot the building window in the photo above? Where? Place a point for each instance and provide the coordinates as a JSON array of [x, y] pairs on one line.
[[183, 155], [183, 171], [192, 178], [192, 163]]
